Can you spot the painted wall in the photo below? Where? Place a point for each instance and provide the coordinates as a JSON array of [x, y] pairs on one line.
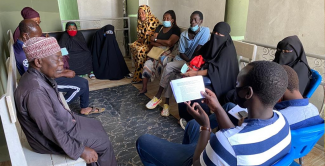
[[3, 84], [213, 13], [270, 21], [101, 9], [132, 11], [68, 10], [95, 9]]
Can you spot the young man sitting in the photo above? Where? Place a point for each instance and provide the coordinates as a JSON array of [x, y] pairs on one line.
[[190, 43], [262, 139], [297, 110], [49, 127]]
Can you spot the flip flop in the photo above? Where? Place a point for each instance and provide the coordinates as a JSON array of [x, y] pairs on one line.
[[94, 111]]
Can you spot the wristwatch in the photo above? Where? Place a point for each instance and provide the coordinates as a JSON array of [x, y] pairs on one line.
[[155, 39], [202, 128]]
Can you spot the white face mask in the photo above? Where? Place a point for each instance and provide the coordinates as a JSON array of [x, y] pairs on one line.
[[167, 24]]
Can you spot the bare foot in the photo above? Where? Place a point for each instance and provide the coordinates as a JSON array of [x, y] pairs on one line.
[[142, 92]]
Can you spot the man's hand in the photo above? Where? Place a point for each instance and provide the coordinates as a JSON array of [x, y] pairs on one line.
[[211, 100], [198, 114], [89, 155]]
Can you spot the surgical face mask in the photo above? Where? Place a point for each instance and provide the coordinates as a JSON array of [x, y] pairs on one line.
[[167, 24], [195, 28]]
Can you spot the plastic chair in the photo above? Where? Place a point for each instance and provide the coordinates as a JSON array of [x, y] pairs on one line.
[[207, 81], [288, 159], [314, 83], [304, 139]]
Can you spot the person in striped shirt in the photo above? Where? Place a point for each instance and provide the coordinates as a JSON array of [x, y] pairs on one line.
[[297, 110], [262, 139]]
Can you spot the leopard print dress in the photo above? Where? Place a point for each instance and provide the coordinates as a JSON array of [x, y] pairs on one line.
[[140, 47]]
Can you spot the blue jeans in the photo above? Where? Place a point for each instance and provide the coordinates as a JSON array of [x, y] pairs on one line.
[[154, 151]]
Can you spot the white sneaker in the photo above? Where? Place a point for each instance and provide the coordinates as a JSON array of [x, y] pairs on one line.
[[183, 123], [165, 111], [152, 104]]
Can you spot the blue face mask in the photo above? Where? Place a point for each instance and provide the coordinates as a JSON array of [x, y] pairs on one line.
[[195, 28], [167, 24]]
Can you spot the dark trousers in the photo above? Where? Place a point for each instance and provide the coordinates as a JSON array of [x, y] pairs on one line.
[[182, 109], [154, 151], [92, 134], [74, 87]]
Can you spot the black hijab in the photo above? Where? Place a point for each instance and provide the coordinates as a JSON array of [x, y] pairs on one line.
[[80, 59], [108, 61], [295, 59], [73, 43], [221, 60]]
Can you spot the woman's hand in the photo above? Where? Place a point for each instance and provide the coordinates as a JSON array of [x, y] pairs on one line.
[[198, 114], [153, 38]]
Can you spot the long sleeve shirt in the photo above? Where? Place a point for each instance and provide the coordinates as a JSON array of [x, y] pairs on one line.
[[43, 117]]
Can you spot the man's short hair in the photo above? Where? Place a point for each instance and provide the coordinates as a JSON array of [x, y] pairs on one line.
[[268, 80], [199, 13], [293, 80], [27, 26]]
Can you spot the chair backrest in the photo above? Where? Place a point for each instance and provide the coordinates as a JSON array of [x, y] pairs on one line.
[[245, 51], [287, 159], [8, 113], [314, 83], [304, 139], [87, 33]]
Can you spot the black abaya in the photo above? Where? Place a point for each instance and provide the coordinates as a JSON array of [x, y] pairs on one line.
[[108, 62], [80, 59], [295, 59], [221, 61], [222, 64]]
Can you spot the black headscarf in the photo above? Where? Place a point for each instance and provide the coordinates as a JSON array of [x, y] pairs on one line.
[[108, 61], [221, 60], [295, 59], [80, 59]]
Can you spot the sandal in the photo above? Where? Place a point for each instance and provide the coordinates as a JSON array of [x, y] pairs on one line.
[[92, 76], [94, 111]]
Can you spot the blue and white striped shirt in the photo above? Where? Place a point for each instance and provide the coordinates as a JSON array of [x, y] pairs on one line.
[[255, 142], [299, 113]]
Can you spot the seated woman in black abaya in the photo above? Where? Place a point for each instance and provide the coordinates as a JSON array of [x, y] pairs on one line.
[[221, 67], [291, 52], [80, 59]]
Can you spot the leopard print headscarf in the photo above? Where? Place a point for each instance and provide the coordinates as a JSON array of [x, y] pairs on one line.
[[148, 25]]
